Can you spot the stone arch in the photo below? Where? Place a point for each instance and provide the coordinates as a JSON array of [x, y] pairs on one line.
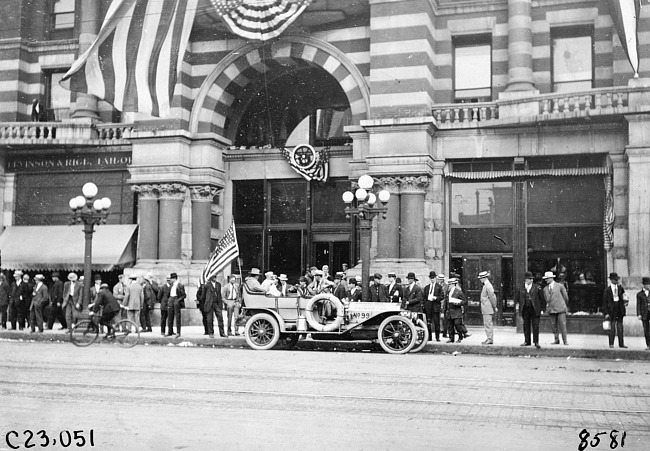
[[213, 108]]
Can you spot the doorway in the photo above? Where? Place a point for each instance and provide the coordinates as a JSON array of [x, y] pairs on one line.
[[332, 252], [285, 252], [468, 267]]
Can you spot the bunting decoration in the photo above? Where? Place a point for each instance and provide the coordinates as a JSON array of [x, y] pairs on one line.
[[259, 19], [133, 63], [608, 220], [625, 14], [308, 162]]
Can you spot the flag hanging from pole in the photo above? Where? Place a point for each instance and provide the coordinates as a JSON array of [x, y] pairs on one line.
[[134, 62], [609, 217], [226, 251], [625, 14], [259, 19]]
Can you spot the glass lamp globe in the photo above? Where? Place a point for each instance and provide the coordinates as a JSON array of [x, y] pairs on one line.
[[106, 203], [73, 203], [384, 195], [81, 201], [372, 199], [89, 190], [361, 194], [97, 205], [365, 182], [348, 197]]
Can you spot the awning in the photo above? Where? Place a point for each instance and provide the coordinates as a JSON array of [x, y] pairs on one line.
[[556, 172], [63, 247]]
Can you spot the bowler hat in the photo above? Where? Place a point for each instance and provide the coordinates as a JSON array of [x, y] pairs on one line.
[[392, 274], [432, 275], [613, 276], [97, 277], [377, 276], [411, 275], [353, 281], [528, 275], [254, 272], [645, 281], [56, 274], [173, 276]]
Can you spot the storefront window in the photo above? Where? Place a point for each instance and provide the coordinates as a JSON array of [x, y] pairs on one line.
[[328, 207], [288, 202], [481, 204], [558, 200], [249, 202], [250, 249]]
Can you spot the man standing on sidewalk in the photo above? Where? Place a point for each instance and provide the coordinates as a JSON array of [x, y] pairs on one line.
[[133, 299], [212, 305], [163, 298], [454, 308], [488, 307], [72, 296], [175, 304], [530, 303], [643, 309], [432, 297], [556, 301], [232, 299], [40, 297], [56, 300], [614, 303]]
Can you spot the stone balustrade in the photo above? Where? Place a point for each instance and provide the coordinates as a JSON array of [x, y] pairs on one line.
[[465, 113], [30, 133]]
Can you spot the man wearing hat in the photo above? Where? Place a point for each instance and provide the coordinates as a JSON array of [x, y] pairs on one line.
[[175, 304], [212, 306], [444, 320], [614, 302], [556, 304], [252, 282], [395, 290], [378, 291], [454, 303], [133, 299], [150, 290], [530, 303], [432, 296], [106, 303], [643, 309], [488, 306], [316, 287], [16, 301], [56, 300], [413, 295], [95, 288], [5, 296], [72, 299], [269, 281], [40, 297], [232, 298], [354, 293], [339, 289], [163, 298]]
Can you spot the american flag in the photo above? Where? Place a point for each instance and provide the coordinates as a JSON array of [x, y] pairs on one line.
[[608, 220], [133, 63], [226, 251], [625, 14], [259, 19]]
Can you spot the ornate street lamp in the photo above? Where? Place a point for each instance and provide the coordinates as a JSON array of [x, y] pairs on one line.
[[89, 212], [366, 209]]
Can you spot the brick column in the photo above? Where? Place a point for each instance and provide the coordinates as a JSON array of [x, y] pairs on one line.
[[147, 221], [520, 46], [412, 191], [388, 229], [201, 220], [85, 104], [172, 196]]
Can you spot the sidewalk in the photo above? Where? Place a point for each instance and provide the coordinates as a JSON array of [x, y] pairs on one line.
[[506, 342]]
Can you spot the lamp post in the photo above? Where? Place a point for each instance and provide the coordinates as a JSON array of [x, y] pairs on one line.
[[365, 209], [89, 212]]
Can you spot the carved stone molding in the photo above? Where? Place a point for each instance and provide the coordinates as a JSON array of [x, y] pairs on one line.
[[391, 184], [146, 192], [414, 185], [172, 190], [204, 193]]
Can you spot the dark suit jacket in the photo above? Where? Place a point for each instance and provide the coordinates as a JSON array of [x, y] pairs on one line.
[[5, 294], [455, 311], [40, 297], [536, 298], [356, 297], [378, 293], [340, 292], [611, 308], [437, 292], [163, 295], [642, 306], [412, 298], [212, 296], [76, 297], [20, 290], [396, 293], [56, 292]]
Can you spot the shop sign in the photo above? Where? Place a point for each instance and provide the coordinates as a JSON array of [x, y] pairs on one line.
[[67, 163]]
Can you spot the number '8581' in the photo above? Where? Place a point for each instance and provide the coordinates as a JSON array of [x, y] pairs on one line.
[[612, 440]]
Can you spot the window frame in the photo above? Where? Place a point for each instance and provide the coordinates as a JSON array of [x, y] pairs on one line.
[[465, 41], [567, 32]]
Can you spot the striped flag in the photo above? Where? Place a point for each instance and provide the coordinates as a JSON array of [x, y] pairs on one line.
[[625, 14], [226, 251], [259, 19], [133, 63], [609, 217]]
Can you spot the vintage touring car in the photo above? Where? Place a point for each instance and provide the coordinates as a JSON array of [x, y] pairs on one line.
[[273, 320]]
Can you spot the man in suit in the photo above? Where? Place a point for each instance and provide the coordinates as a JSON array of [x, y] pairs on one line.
[[5, 296], [339, 288], [488, 306], [163, 298], [394, 289], [378, 291], [530, 303], [432, 295], [72, 293], [97, 280], [354, 293], [133, 299], [109, 307], [556, 304], [454, 304], [643, 309], [412, 299], [213, 304], [232, 298], [175, 304], [25, 303], [252, 281], [118, 294], [40, 297], [150, 290], [444, 323], [56, 300], [614, 303]]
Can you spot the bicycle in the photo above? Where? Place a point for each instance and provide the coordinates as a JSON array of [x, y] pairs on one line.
[[86, 331]]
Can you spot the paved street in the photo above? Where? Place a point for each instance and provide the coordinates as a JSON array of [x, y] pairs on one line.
[[157, 397]]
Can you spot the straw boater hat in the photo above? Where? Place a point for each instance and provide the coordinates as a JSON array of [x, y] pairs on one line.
[[441, 276], [548, 275], [452, 280], [283, 277], [269, 274], [392, 274], [483, 275], [18, 273], [255, 272], [40, 277], [72, 277]]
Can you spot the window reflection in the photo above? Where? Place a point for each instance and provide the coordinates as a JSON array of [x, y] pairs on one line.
[[572, 60], [481, 204]]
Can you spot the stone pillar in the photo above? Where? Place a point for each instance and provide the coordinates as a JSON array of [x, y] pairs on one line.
[[388, 229], [520, 46], [201, 220], [85, 104], [435, 242], [412, 191], [617, 257], [170, 228], [639, 211], [148, 222]]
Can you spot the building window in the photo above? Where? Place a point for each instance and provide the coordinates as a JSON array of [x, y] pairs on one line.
[[572, 59], [472, 68], [58, 97], [63, 14]]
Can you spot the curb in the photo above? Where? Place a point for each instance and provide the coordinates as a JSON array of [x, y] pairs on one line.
[[361, 346]]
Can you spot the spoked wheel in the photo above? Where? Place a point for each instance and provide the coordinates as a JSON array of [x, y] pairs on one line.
[[289, 341], [84, 333], [262, 331], [422, 335], [397, 335], [127, 333]]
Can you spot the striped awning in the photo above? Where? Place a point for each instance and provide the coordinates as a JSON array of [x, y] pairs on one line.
[[557, 172]]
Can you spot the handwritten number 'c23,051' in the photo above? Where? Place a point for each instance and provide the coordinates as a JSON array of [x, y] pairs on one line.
[[29, 439], [595, 440]]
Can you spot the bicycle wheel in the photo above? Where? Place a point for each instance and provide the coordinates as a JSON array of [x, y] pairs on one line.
[[127, 333], [84, 333]]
